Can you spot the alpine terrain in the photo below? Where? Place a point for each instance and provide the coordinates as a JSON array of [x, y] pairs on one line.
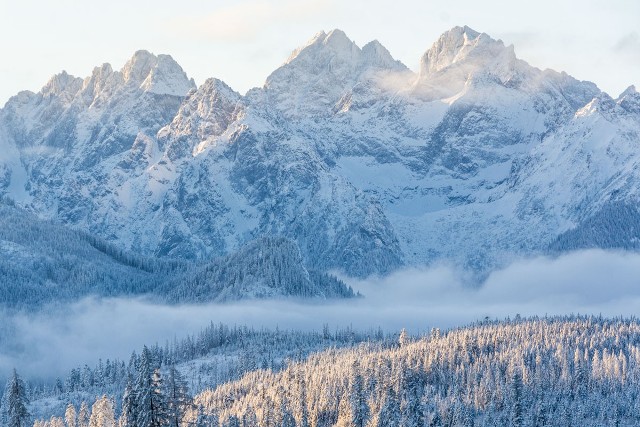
[[361, 163]]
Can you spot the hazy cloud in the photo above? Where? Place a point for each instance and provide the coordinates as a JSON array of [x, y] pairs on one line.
[[588, 282], [520, 39], [629, 44], [244, 21], [395, 82]]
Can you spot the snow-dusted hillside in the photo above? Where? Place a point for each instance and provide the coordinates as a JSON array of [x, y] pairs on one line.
[[43, 262], [542, 372], [476, 158]]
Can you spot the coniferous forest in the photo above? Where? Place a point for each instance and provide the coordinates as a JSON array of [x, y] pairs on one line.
[[569, 371]]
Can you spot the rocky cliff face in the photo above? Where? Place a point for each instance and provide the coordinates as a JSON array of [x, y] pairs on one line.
[[366, 165]]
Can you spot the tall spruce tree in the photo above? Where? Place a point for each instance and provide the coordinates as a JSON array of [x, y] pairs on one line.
[[150, 401], [83, 415], [177, 397], [17, 414], [128, 417], [390, 411], [70, 416], [102, 414], [517, 408], [358, 402]]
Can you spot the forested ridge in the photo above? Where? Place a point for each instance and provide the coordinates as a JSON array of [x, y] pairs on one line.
[[217, 354], [580, 371], [43, 263], [538, 372]]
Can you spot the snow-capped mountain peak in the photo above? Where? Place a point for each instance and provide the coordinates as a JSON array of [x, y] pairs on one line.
[[629, 100], [462, 56], [317, 76], [602, 104], [139, 66], [335, 42], [62, 85], [99, 82], [374, 54], [631, 90], [156, 74], [455, 46], [338, 41], [205, 113]]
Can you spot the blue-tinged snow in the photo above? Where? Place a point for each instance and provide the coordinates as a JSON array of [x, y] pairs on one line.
[[477, 158]]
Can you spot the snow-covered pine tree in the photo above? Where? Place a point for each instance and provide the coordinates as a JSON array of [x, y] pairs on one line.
[[102, 414], [84, 415], [70, 416], [4, 405], [411, 404], [358, 401], [151, 403], [403, 339], [517, 408], [129, 414], [17, 414], [390, 411], [177, 396]]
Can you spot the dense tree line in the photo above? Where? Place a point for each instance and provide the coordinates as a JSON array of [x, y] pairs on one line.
[[540, 372], [573, 371], [266, 267], [216, 354], [44, 262], [615, 226], [151, 399]]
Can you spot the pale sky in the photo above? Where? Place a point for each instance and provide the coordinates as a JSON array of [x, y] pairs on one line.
[[241, 42]]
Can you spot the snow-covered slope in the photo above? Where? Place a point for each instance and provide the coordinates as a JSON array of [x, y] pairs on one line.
[[269, 267], [366, 165], [44, 262]]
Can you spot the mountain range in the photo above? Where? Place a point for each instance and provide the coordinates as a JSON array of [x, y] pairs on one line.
[[362, 164]]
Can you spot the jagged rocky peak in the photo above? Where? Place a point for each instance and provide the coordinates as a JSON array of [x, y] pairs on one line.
[[630, 94], [631, 90], [335, 42], [145, 72], [329, 51], [215, 89], [205, 113], [97, 82], [463, 59], [139, 66], [629, 100], [460, 44], [602, 103], [21, 98], [213, 103], [160, 74], [376, 55], [62, 85], [316, 76], [326, 53], [338, 41]]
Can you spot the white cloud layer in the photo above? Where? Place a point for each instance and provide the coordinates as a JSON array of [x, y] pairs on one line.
[[589, 282]]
